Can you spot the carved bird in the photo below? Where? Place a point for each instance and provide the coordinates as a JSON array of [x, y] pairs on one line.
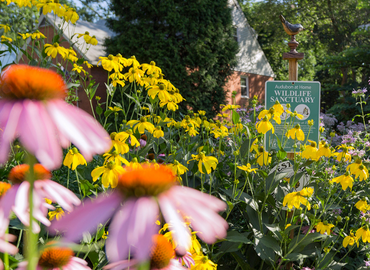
[[291, 29]]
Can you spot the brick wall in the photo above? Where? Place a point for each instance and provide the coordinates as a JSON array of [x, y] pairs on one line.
[[256, 87]]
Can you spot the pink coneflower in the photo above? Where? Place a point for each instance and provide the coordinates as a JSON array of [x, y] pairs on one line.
[[161, 257], [146, 192], [16, 198], [56, 258], [32, 108]]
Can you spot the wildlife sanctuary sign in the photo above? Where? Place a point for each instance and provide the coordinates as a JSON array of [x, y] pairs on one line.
[[304, 98]]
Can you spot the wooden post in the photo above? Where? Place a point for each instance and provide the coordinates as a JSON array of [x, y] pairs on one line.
[[293, 56]]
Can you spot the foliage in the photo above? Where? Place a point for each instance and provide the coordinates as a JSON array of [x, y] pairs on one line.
[[190, 40], [335, 44]]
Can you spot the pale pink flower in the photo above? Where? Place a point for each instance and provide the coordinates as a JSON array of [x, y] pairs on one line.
[[5, 246], [32, 108], [16, 198], [57, 258], [187, 259], [161, 254], [145, 193]]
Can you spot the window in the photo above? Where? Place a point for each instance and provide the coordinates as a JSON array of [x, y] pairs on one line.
[[244, 88]]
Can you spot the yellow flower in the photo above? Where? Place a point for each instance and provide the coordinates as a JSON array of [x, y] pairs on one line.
[[115, 157], [6, 39], [160, 90], [263, 157], [324, 150], [37, 35], [344, 155], [203, 263], [158, 132], [5, 27], [296, 132], [57, 213], [78, 69], [264, 125], [271, 113], [135, 164], [247, 168], [220, 131], [47, 6], [362, 205], [363, 233], [358, 169], [135, 74], [209, 162], [73, 159], [110, 172], [345, 180], [53, 50], [202, 112], [124, 135], [350, 240], [110, 63], [323, 227], [230, 107], [90, 40], [71, 15], [133, 62], [177, 168], [141, 125], [310, 151], [151, 68], [48, 201], [118, 143], [295, 199], [105, 235], [279, 109], [288, 225], [88, 64], [306, 192], [192, 131]]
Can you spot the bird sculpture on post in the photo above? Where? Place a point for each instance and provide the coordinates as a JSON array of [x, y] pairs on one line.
[[292, 30]]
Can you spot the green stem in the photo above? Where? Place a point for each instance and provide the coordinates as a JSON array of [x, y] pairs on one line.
[[6, 255], [31, 239]]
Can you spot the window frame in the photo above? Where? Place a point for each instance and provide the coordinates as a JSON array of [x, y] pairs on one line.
[[246, 86]]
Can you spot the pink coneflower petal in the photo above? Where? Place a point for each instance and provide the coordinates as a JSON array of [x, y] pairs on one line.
[[201, 208], [9, 117], [6, 205], [181, 233], [21, 203], [87, 218], [121, 265], [133, 225], [37, 134], [58, 193], [83, 131], [5, 246]]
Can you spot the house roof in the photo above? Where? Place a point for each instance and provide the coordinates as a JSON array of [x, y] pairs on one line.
[[251, 58], [98, 29]]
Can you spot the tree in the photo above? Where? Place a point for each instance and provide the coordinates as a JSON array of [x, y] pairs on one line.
[[335, 47], [192, 41]]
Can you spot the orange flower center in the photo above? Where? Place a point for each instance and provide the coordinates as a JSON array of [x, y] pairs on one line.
[[161, 253], [26, 82], [150, 180], [55, 257], [19, 173], [4, 188]]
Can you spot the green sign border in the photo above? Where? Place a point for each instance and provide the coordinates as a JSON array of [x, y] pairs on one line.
[[316, 115]]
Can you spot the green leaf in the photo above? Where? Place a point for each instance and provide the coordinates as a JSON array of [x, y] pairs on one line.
[[273, 180], [99, 110], [107, 113], [55, 39], [244, 148], [281, 154], [235, 117], [241, 260], [234, 236], [92, 91], [308, 239]]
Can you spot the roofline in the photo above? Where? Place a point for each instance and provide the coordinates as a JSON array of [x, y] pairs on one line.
[[41, 19]]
